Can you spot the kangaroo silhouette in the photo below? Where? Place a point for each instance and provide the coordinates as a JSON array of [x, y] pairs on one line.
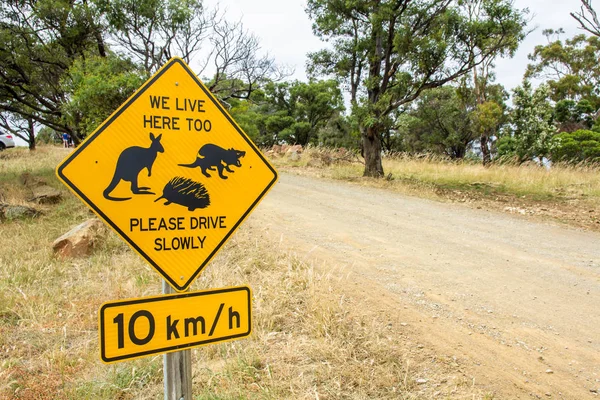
[[129, 165]]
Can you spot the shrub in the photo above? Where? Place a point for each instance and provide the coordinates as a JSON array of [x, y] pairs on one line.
[[581, 145]]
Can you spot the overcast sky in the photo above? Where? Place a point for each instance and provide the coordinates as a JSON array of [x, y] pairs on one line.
[[285, 31]]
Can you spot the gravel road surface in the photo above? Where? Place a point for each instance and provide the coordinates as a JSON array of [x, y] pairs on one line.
[[515, 302]]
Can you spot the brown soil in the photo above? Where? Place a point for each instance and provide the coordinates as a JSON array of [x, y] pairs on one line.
[[509, 301], [575, 211]]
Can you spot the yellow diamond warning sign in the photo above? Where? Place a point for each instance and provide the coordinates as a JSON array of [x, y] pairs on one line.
[[171, 173]]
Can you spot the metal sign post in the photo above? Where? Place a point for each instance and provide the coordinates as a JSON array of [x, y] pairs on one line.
[[177, 368]]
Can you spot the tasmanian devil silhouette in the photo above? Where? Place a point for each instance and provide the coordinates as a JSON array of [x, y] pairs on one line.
[[211, 156], [129, 165]]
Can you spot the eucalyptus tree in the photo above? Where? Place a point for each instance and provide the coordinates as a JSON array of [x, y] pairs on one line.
[[153, 31], [39, 41], [388, 52], [587, 18], [290, 112], [532, 124], [237, 64], [67, 64], [569, 66]]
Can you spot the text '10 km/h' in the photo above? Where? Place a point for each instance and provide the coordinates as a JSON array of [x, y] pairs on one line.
[[140, 327], [191, 326]]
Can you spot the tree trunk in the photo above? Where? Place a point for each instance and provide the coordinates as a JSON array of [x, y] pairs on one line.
[[31, 134], [480, 99], [372, 152], [485, 151]]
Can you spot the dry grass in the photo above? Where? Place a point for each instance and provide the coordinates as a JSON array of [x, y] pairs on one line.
[[525, 179], [566, 193], [519, 180], [311, 339]]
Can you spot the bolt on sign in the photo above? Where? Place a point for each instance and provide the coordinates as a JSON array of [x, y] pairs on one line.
[[171, 172], [141, 327]]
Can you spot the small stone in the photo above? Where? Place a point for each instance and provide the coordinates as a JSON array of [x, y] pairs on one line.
[[549, 371], [421, 381], [80, 240], [45, 194], [13, 212]]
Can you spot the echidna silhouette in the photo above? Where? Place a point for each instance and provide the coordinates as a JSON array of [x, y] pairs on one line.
[[185, 192], [211, 156], [131, 162]]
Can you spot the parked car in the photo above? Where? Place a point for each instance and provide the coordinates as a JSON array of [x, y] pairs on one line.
[[6, 141]]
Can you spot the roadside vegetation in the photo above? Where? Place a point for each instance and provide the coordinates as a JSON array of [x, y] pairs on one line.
[[420, 81], [310, 339], [565, 193], [419, 76]]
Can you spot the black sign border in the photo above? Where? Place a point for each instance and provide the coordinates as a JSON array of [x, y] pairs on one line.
[[170, 349], [116, 115]]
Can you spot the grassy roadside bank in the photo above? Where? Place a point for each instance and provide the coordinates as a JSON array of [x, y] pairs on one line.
[[565, 194], [311, 339]]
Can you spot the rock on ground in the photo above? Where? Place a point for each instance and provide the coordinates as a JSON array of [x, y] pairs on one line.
[[80, 240], [13, 211], [45, 194]]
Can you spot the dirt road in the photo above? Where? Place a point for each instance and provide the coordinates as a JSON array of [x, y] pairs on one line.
[[516, 303]]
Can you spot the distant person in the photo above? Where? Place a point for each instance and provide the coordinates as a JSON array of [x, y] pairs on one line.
[[71, 144], [65, 138]]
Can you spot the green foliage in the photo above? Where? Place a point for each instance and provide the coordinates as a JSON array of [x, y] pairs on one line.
[[40, 41], [388, 53], [292, 113], [440, 124], [571, 115], [581, 145], [338, 132], [448, 120], [571, 67], [532, 121], [98, 86], [248, 118], [487, 116], [506, 146], [48, 136], [58, 70]]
